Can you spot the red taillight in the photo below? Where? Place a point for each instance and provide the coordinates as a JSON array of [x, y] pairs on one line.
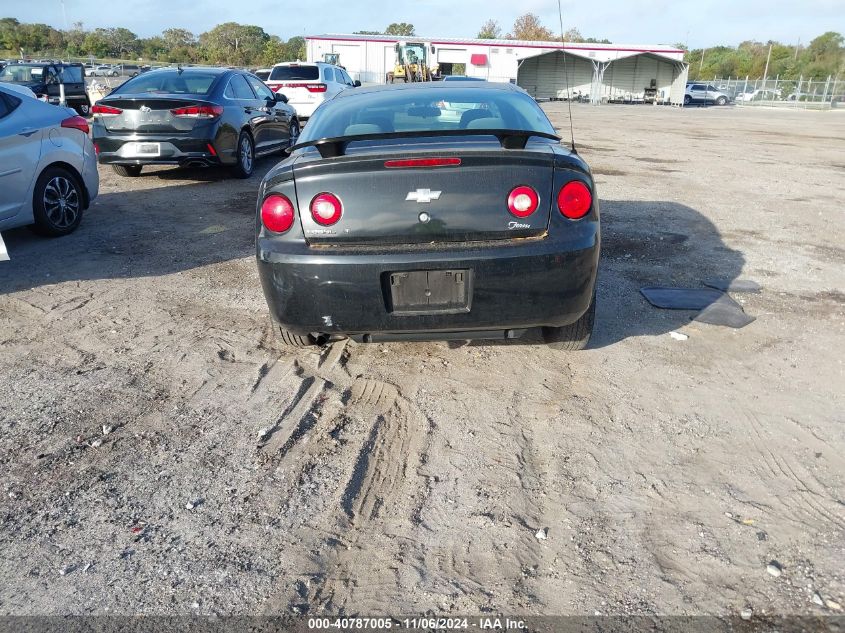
[[308, 87], [326, 209], [198, 112], [574, 200], [104, 110], [422, 162], [96, 149], [277, 213], [523, 201], [77, 123]]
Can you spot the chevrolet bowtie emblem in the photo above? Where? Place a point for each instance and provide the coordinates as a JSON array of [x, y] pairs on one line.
[[423, 195]]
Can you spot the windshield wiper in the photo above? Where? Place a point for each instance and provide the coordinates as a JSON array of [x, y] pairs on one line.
[[336, 146]]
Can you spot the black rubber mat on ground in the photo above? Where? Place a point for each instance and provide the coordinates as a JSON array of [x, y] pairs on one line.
[[724, 311], [681, 298], [716, 307], [735, 285]]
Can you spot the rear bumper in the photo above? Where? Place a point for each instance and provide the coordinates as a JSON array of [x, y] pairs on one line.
[[519, 285], [304, 110], [116, 150]]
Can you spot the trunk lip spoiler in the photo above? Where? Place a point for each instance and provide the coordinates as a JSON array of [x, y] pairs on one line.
[[336, 146]]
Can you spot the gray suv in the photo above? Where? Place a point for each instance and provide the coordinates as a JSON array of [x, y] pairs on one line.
[[704, 93]]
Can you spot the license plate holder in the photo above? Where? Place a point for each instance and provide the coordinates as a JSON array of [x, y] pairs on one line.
[[414, 292], [147, 149]]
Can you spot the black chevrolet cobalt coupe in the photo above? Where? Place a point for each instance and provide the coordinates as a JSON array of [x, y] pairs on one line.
[[192, 117], [429, 211]]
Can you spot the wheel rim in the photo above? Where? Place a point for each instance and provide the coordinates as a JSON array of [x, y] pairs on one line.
[[294, 133], [61, 202], [246, 154]]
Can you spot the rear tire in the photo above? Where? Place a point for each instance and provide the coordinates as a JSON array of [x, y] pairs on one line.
[[721, 101], [57, 202], [127, 171], [295, 131], [290, 339], [244, 156], [687, 100], [574, 336]]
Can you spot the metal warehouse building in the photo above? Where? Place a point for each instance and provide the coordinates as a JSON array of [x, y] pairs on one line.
[[604, 72]]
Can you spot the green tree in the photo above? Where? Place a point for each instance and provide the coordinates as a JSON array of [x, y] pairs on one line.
[[275, 51], [178, 38], [233, 43], [528, 27], [74, 37], [490, 30], [8, 33], [295, 48], [573, 35], [121, 42], [824, 56], [400, 28], [95, 44], [153, 47]]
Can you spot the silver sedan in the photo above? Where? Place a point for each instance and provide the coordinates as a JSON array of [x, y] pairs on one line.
[[48, 167]]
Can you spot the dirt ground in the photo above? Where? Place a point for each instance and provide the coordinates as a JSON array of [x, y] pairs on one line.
[[161, 454]]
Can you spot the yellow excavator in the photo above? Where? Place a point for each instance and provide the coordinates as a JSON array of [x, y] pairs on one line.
[[412, 63]]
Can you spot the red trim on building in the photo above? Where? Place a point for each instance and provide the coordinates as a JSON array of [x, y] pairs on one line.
[[574, 47]]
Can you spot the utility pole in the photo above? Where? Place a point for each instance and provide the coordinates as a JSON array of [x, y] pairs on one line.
[[701, 64], [766, 71]]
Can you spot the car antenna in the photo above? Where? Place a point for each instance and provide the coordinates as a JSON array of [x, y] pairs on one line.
[[566, 76]]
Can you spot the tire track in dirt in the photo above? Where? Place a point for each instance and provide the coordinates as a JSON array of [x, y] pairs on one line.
[[380, 501], [277, 437], [806, 494]]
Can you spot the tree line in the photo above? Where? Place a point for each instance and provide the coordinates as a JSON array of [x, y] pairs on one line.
[[247, 45], [229, 43], [824, 56]]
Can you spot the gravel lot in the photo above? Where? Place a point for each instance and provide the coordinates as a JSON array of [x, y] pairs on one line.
[[161, 454]]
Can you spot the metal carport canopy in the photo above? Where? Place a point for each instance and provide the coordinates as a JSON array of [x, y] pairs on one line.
[[585, 73]]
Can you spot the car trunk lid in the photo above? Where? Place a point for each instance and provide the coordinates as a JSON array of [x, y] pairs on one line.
[[466, 200], [154, 114]]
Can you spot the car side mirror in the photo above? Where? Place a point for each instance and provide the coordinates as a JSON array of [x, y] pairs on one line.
[[281, 98], [356, 84]]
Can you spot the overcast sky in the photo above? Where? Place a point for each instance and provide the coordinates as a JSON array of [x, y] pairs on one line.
[[698, 23]]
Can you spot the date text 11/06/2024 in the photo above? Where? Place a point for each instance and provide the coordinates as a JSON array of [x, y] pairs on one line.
[[423, 623]]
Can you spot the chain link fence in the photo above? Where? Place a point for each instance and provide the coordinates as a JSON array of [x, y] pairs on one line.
[[809, 94]]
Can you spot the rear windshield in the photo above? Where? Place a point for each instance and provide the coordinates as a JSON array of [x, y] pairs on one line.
[[169, 82], [72, 74], [285, 73], [263, 75], [409, 110]]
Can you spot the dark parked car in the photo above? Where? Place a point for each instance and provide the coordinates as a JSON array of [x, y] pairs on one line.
[[192, 117], [392, 219], [45, 78]]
